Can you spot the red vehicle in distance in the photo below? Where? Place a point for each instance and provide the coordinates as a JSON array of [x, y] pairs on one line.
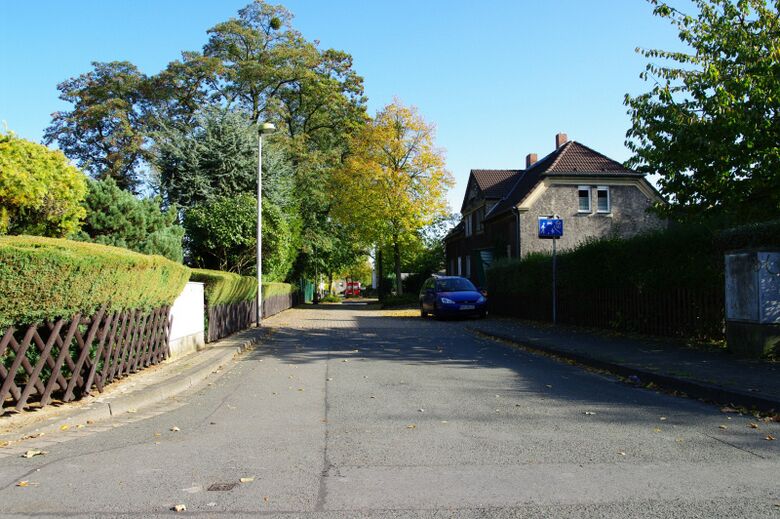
[[353, 289]]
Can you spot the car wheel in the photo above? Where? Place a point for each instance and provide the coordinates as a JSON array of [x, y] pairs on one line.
[[423, 313]]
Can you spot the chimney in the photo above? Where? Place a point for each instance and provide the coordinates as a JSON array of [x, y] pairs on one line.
[[530, 160], [560, 140]]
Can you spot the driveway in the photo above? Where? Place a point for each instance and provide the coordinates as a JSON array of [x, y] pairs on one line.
[[354, 412]]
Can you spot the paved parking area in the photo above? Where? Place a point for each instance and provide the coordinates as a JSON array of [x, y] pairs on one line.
[[355, 412]]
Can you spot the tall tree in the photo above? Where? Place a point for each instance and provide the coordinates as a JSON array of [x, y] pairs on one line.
[[394, 182], [105, 131], [710, 124]]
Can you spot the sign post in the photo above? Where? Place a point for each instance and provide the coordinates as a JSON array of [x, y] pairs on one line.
[[551, 228]]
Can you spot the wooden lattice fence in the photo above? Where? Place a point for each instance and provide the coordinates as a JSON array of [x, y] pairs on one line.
[[67, 359]]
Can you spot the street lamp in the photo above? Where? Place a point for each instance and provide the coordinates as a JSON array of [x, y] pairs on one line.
[[265, 128]]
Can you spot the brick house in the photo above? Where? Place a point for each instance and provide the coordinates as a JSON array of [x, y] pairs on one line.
[[595, 195]]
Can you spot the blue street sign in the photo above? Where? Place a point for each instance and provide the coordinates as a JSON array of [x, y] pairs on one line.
[[550, 228]]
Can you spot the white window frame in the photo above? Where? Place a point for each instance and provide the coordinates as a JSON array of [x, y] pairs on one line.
[[609, 200], [590, 201]]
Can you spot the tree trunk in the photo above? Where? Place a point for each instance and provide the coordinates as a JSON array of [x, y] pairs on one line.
[[380, 285], [332, 292], [397, 261]]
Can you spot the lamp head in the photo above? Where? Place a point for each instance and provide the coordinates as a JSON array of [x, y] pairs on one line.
[[267, 128]]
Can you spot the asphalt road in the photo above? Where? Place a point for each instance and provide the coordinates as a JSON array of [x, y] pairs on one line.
[[348, 412]]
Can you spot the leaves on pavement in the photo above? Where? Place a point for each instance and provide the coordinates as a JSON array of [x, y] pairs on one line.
[[34, 452]]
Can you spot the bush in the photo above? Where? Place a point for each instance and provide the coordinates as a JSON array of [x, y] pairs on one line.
[[45, 279], [330, 298], [223, 288], [116, 217], [40, 192]]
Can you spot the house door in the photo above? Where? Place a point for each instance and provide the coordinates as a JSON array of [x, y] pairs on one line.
[[481, 259]]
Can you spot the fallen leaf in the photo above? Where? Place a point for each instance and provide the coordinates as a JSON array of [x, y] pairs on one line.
[[265, 498], [753, 425], [678, 440], [132, 410], [589, 413], [657, 429], [90, 422], [770, 438], [372, 396], [622, 453], [246, 480], [421, 410], [4, 443], [663, 418], [175, 429], [444, 421], [344, 360], [728, 409], [301, 389], [23, 484], [721, 427], [157, 434], [548, 385], [411, 426], [80, 426], [34, 452], [329, 379], [64, 427], [179, 508]]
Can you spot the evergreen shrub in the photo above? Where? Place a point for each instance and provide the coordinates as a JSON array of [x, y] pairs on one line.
[[48, 278]]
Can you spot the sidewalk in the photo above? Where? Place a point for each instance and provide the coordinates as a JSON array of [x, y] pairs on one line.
[[137, 391], [715, 376]]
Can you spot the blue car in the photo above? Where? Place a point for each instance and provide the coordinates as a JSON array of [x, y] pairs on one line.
[[444, 296]]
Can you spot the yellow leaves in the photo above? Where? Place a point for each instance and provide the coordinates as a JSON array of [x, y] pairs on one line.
[[394, 180]]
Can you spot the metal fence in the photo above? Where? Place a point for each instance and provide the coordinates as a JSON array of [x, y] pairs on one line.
[[66, 359], [671, 312]]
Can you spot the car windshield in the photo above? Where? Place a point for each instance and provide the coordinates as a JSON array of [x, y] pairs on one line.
[[454, 285]]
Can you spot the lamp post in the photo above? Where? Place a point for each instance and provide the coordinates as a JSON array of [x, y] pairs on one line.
[[265, 128]]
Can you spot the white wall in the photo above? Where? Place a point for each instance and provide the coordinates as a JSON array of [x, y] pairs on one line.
[[187, 326]]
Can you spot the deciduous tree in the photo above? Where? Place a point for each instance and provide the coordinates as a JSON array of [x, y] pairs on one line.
[[40, 191], [394, 182], [710, 124]]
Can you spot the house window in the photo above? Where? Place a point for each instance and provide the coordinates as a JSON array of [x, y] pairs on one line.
[[467, 219], [459, 265], [467, 260], [480, 214], [602, 200], [583, 194]]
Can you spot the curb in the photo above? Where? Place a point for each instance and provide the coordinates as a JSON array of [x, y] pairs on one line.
[[698, 390], [97, 411]]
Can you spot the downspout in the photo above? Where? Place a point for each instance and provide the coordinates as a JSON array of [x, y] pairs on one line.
[[517, 231]]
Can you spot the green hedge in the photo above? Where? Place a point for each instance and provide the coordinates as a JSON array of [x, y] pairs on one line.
[[227, 287], [46, 278]]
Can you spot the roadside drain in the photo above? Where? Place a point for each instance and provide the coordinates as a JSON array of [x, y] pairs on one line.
[[222, 487]]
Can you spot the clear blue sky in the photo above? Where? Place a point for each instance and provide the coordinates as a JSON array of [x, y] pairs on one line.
[[498, 78]]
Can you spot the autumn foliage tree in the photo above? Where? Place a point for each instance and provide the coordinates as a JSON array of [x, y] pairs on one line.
[[394, 181], [40, 191]]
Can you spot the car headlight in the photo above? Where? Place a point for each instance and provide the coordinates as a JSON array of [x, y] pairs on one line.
[[481, 299], [447, 301]]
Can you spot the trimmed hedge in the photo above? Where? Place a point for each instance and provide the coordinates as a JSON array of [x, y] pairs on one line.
[[46, 279], [228, 287], [223, 288]]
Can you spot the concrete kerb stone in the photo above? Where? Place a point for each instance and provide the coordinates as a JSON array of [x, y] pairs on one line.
[[209, 361], [691, 388]]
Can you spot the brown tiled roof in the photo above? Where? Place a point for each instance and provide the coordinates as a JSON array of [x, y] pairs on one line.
[[572, 158], [495, 183], [576, 157]]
